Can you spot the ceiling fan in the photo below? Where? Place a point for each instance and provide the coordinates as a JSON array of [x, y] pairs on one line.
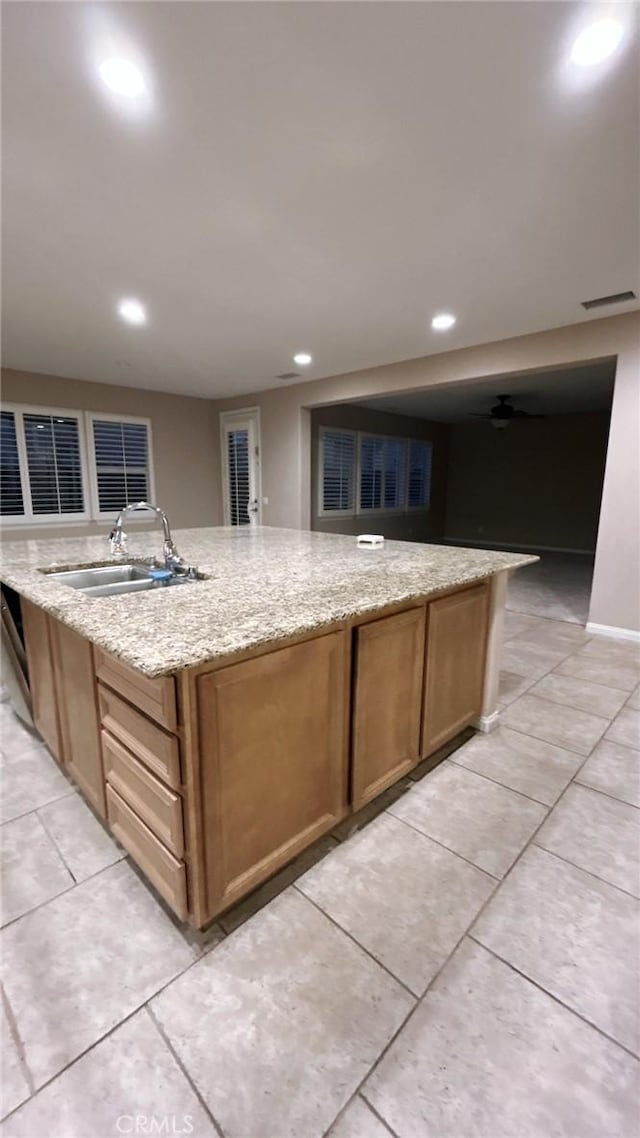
[[502, 413]]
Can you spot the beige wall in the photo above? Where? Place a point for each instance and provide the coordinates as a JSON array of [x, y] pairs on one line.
[[184, 438], [415, 525], [536, 484], [286, 435]]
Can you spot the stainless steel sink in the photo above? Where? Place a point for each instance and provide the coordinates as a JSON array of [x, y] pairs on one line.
[[110, 580], [102, 575]]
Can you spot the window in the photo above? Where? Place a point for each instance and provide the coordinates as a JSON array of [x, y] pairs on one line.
[[11, 499], [361, 473], [42, 473], [337, 472], [382, 473], [68, 466], [120, 461], [419, 485]]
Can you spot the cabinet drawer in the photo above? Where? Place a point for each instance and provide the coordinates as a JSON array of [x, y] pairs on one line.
[[161, 867], [158, 806], [157, 750], [155, 697]]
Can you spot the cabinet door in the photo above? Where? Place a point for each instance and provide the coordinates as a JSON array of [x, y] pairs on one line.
[[456, 647], [273, 761], [387, 702], [35, 624], [78, 711]]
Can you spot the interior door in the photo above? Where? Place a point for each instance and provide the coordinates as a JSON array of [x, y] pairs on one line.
[[240, 440]]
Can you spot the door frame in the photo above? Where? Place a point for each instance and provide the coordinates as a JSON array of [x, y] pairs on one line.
[[249, 417]]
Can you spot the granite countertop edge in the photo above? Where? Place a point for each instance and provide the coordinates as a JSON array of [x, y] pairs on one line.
[[262, 585]]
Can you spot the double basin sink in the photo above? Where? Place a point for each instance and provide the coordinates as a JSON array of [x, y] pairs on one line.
[[109, 580]]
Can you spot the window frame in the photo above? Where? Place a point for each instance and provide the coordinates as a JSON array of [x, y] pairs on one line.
[[370, 511], [97, 514], [322, 511], [28, 518]]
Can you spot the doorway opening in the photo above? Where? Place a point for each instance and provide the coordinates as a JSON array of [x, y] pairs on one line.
[[516, 462]]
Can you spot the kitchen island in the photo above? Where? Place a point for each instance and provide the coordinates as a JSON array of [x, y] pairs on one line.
[[220, 727]]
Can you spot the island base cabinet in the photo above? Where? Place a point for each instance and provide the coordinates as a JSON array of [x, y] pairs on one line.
[[44, 701], [78, 711], [273, 761], [389, 655], [455, 664]]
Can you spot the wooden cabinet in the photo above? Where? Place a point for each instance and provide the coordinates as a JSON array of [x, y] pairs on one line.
[[455, 663], [273, 761], [44, 701], [389, 657], [78, 711]]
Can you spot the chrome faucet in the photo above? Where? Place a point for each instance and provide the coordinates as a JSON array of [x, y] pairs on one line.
[[118, 538]]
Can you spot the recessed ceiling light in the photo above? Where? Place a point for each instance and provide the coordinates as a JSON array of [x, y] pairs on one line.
[[122, 77], [596, 42], [302, 358], [132, 311], [443, 321]]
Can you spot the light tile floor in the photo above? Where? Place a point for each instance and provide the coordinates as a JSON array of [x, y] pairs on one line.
[[460, 961]]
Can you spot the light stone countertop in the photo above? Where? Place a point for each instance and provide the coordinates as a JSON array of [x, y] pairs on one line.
[[263, 584]]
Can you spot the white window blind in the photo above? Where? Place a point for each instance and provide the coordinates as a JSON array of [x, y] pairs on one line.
[[337, 473], [11, 499], [382, 473], [419, 485], [54, 464], [121, 455], [238, 472]]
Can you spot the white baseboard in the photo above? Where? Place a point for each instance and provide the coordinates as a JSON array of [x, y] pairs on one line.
[[477, 542], [487, 723], [612, 630]]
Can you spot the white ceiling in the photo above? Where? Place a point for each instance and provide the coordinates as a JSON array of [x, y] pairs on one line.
[[317, 176], [585, 388]]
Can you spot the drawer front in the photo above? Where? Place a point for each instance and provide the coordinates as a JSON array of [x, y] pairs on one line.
[[161, 867], [157, 750], [155, 697], [158, 806]]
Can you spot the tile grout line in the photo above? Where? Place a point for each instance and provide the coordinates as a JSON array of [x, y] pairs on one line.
[[176, 1058], [360, 1089], [607, 794], [496, 782], [74, 885], [589, 872], [556, 999], [352, 938], [455, 853], [356, 1097], [35, 809], [55, 844], [18, 1044]]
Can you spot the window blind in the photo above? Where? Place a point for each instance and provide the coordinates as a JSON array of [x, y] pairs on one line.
[[338, 471], [121, 451], [238, 472], [419, 486], [11, 500], [382, 473], [54, 464]]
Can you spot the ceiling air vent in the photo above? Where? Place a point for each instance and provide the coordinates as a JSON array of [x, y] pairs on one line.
[[288, 375], [615, 298]]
